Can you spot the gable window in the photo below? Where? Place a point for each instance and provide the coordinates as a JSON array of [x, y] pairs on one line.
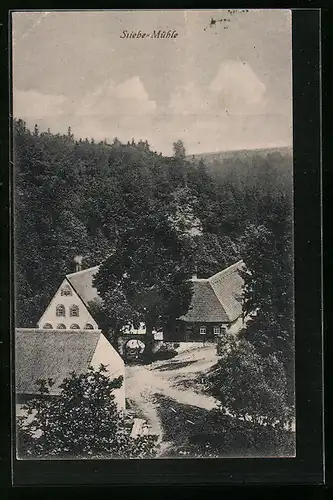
[[61, 326], [66, 290], [202, 330], [88, 327], [217, 330], [48, 326], [74, 326], [60, 310], [74, 310]]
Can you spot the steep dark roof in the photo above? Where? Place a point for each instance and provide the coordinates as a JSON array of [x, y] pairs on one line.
[[82, 282], [44, 354], [228, 287], [205, 306], [217, 299]]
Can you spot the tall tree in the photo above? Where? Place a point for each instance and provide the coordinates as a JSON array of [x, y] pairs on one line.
[[268, 291], [148, 274], [179, 150]]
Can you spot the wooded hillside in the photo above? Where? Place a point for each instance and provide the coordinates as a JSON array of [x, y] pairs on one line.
[[76, 197]]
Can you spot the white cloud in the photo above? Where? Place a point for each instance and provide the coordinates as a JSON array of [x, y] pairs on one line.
[[226, 114], [129, 97], [238, 88], [235, 89], [108, 99], [35, 104]]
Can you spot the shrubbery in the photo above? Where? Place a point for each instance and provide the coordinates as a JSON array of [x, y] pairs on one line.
[[253, 393], [82, 422]]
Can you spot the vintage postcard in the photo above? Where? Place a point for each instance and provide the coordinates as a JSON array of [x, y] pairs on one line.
[[153, 234]]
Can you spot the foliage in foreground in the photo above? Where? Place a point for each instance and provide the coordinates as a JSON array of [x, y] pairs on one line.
[[193, 432], [252, 390], [268, 290], [249, 385], [82, 422], [236, 438]]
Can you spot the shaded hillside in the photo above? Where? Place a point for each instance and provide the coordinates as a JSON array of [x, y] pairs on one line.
[[80, 197], [243, 154], [261, 170]]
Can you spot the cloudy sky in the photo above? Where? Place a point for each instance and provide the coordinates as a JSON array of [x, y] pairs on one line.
[[220, 87]]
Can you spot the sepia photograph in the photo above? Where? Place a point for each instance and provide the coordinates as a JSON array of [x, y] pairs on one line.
[[152, 158]]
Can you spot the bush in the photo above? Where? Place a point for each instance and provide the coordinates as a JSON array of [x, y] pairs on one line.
[[248, 438], [82, 422], [253, 394]]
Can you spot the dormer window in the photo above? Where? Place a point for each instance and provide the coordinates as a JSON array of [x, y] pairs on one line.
[[74, 310], [61, 326], [60, 310], [48, 326], [66, 290], [88, 326], [74, 327]]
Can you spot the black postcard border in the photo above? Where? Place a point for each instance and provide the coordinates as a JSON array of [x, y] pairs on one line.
[[307, 467]]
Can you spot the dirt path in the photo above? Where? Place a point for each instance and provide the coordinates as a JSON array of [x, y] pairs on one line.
[[175, 382], [143, 383]]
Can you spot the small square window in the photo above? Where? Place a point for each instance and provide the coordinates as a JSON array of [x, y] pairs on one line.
[[202, 330], [217, 330]]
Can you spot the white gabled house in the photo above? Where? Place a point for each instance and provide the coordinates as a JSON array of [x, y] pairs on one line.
[[68, 308], [216, 306]]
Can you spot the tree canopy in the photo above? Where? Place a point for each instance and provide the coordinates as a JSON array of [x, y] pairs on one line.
[[112, 202], [81, 422], [146, 279]]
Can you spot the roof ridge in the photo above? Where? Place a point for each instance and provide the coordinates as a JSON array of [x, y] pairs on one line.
[[226, 270], [218, 298], [82, 271]]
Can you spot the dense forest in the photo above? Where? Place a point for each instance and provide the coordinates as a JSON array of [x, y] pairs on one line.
[[78, 197]]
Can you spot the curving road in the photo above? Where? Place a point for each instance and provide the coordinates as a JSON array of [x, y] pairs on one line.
[[174, 379]]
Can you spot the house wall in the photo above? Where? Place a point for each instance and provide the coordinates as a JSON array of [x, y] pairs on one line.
[[209, 335], [50, 316], [190, 332], [107, 355], [21, 412]]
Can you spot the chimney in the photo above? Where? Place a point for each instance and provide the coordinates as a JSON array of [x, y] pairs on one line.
[[195, 274], [78, 263]]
